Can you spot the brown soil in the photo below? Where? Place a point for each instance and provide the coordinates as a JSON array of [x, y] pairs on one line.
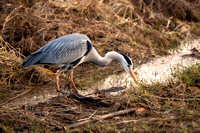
[[169, 109]]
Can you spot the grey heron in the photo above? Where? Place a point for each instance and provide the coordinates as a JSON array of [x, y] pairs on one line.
[[71, 50]]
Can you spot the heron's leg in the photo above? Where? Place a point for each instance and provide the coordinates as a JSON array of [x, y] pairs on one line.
[[57, 79], [72, 82]]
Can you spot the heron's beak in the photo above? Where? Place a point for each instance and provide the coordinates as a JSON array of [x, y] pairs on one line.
[[133, 76]]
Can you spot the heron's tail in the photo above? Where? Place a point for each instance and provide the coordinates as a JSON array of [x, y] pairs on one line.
[[32, 59]]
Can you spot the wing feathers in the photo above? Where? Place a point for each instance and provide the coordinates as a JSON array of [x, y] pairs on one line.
[[63, 50], [32, 59]]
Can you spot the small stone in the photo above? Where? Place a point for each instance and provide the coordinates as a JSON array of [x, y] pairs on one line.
[[141, 112]]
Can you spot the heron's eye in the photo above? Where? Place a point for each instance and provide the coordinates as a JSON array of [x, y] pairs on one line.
[[128, 65]]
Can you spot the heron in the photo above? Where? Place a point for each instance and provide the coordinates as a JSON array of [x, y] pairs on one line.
[[68, 51]]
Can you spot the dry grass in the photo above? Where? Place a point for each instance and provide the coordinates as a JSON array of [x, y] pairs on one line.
[[32, 25], [140, 29], [12, 71]]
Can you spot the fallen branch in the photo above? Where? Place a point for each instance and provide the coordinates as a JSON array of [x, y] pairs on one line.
[[147, 119], [98, 118], [14, 97]]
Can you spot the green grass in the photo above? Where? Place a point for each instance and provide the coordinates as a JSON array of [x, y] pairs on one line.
[[191, 75]]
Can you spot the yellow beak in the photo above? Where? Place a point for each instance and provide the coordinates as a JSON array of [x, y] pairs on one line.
[[133, 76]]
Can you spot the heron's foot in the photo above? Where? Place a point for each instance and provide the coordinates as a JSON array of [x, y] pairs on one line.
[[70, 87], [64, 92]]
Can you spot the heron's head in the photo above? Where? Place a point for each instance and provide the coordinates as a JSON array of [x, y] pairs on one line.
[[127, 64]]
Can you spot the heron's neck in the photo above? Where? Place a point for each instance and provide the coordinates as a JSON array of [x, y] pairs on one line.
[[95, 58]]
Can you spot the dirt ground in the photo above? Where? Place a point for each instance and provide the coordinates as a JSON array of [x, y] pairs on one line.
[[140, 29], [166, 110]]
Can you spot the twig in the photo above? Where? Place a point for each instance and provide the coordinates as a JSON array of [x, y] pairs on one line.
[[112, 89], [149, 77], [10, 46], [14, 97], [89, 117], [145, 119], [98, 118]]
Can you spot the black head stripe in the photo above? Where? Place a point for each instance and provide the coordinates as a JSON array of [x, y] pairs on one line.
[[127, 59], [89, 47]]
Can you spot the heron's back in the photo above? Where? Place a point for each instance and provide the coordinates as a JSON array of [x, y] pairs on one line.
[[63, 50]]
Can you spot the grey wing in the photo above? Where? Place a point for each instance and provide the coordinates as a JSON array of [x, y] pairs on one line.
[[63, 52]]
